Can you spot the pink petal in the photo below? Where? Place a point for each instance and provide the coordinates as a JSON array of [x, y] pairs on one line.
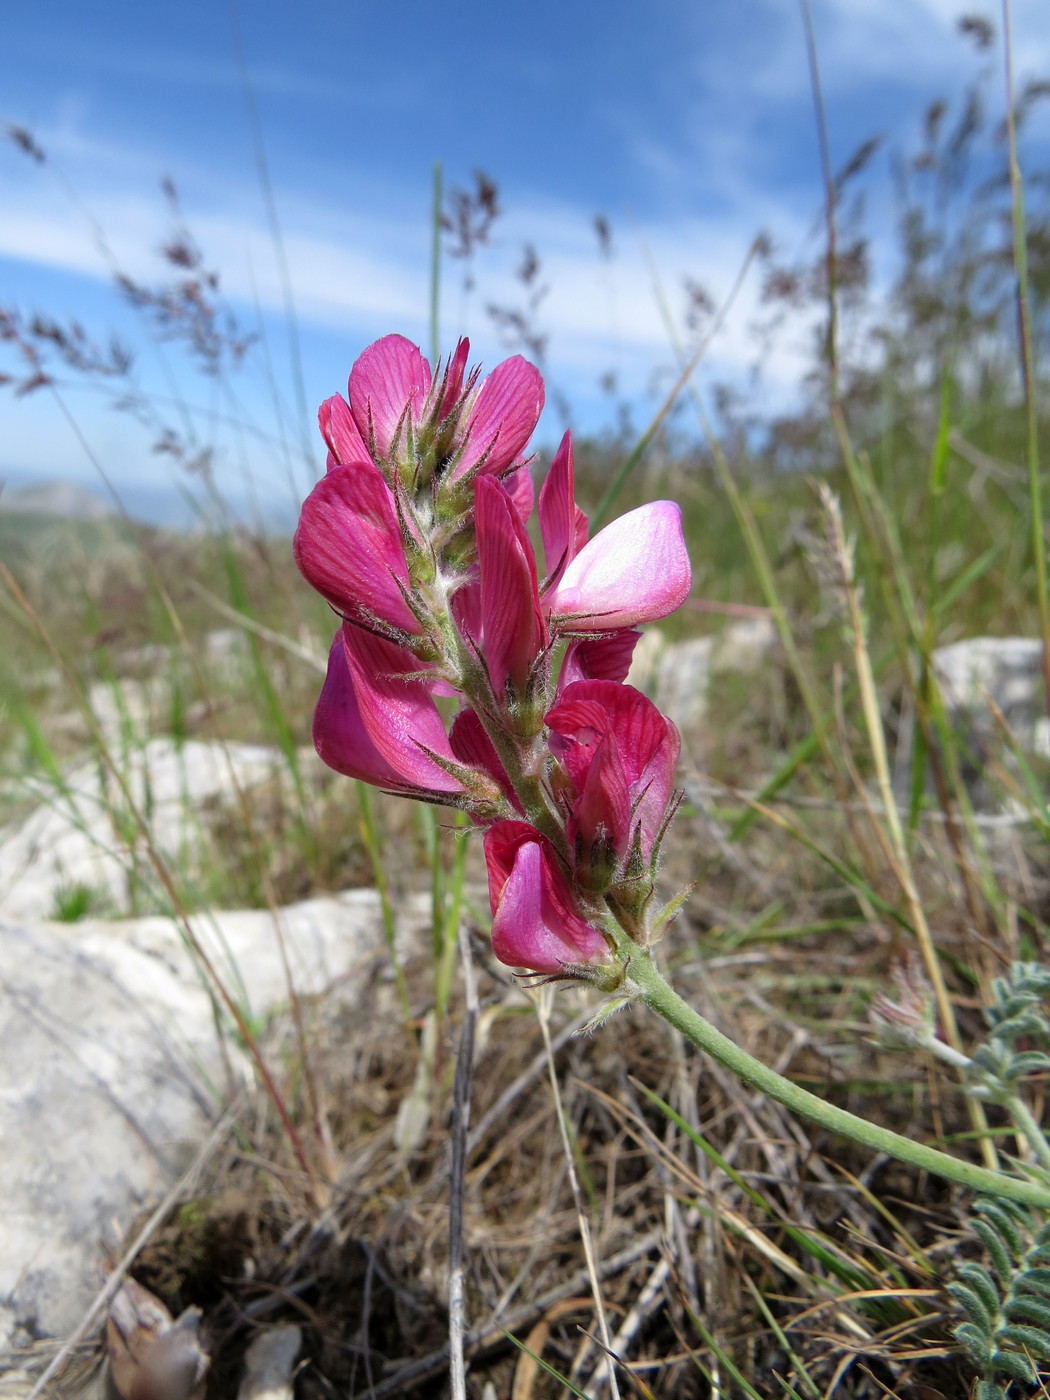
[[604, 808], [521, 491], [348, 546], [635, 570], [340, 736], [512, 622], [562, 524], [473, 747], [345, 444], [534, 925], [646, 745], [393, 692], [452, 379], [606, 658], [501, 419], [389, 384]]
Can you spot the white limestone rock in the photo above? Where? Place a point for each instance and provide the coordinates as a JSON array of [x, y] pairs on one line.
[[83, 833], [111, 1073], [677, 675]]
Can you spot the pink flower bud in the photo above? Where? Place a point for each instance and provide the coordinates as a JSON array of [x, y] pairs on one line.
[[535, 923], [348, 546], [635, 570]]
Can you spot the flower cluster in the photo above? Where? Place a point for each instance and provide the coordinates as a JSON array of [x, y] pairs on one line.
[[417, 536]]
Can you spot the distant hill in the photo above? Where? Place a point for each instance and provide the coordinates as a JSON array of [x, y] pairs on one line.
[[65, 500]]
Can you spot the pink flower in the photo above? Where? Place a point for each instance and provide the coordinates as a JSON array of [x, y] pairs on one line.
[[513, 633], [535, 923], [635, 570], [345, 444], [348, 545], [563, 524], [620, 754], [474, 749], [498, 421], [399, 413], [376, 720], [389, 388], [603, 658]]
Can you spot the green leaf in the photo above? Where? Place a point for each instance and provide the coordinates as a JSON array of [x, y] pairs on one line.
[[1032, 1339], [997, 1251], [980, 1280], [1005, 1224], [1030, 1062], [1014, 1364], [975, 1342], [989, 1390], [1028, 1309], [974, 1308], [1037, 1278]]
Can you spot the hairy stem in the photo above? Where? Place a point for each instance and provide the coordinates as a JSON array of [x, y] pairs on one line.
[[657, 993]]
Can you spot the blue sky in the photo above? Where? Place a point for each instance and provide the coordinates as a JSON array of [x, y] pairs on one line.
[[689, 126]]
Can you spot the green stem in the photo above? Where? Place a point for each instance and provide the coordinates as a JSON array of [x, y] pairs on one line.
[[665, 1001], [1025, 1123]]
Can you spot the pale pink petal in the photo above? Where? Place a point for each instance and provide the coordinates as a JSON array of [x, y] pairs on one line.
[[501, 418], [452, 380], [635, 570], [645, 746], [389, 384], [348, 546], [604, 808]]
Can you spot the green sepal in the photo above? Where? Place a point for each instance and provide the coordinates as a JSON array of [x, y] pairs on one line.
[[668, 912]]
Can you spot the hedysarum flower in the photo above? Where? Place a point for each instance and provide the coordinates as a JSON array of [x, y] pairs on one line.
[[635, 570], [348, 545], [376, 719], [345, 444], [620, 754], [389, 390], [535, 924], [512, 626], [563, 524], [498, 420]]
